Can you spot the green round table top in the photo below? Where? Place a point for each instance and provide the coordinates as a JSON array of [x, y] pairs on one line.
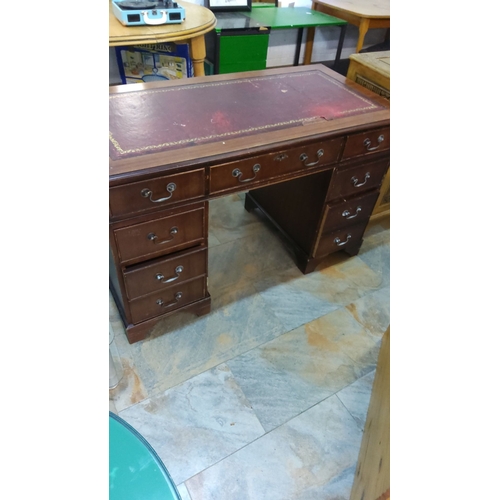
[[135, 470]]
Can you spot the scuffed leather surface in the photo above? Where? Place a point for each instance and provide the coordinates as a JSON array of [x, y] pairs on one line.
[[160, 119]]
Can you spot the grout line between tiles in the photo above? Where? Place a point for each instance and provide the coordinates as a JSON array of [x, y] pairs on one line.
[[365, 375], [334, 394], [158, 392]]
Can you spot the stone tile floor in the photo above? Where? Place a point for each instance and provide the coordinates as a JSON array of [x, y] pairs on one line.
[[266, 396]]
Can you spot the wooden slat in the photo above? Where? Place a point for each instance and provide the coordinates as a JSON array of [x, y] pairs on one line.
[[372, 478]]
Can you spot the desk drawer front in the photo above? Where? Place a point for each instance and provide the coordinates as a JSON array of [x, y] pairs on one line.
[[164, 273], [167, 300], [372, 141], [354, 180], [161, 236], [340, 239], [154, 193], [349, 212], [253, 171]]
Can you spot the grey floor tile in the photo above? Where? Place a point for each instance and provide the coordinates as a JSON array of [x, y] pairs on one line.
[[183, 492], [186, 345], [356, 398], [375, 252], [373, 311], [229, 221], [240, 262], [304, 455], [112, 407], [212, 239], [297, 298], [197, 423], [291, 373], [130, 389], [378, 226], [338, 488], [266, 396]]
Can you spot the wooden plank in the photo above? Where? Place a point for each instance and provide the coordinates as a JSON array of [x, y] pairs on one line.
[[372, 478]]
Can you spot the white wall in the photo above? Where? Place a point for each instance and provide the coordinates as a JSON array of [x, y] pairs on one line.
[[282, 43]]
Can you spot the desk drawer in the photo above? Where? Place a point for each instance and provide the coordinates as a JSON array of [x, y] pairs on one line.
[[349, 212], [168, 300], [161, 236], [165, 272], [158, 192], [354, 180], [253, 171], [340, 240], [372, 141]]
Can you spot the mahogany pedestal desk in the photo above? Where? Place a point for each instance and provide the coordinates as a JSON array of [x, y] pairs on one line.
[[309, 147]]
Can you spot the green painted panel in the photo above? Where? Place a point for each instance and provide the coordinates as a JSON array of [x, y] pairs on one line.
[[245, 66], [296, 17], [242, 53], [243, 48]]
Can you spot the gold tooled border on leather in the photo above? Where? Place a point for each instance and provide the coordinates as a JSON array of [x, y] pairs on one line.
[[165, 145]]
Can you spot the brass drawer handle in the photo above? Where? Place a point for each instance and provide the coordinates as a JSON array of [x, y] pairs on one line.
[[367, 143], [237, 173], [152, 237], [355, 180], [147, 193], [177, 296], [348, 215], [340, 243], [303, 157], [178, 271]]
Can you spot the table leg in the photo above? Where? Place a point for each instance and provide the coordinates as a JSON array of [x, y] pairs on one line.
[[198, 54], [310, 41], [364, 25], [340, 45], [297, 48], [309, 45], [217, 53]]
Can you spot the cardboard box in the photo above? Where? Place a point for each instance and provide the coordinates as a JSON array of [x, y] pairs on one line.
[[154, 62]]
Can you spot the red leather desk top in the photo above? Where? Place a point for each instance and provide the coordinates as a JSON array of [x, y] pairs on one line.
[[176, 116]]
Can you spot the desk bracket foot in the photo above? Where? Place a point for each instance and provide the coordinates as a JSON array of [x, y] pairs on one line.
[[353, 249]]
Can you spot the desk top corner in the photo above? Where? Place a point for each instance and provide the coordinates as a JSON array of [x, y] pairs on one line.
[[372, 9]]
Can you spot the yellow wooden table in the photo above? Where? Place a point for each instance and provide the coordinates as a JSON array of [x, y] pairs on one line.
[[199, 21], [365, 14]]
